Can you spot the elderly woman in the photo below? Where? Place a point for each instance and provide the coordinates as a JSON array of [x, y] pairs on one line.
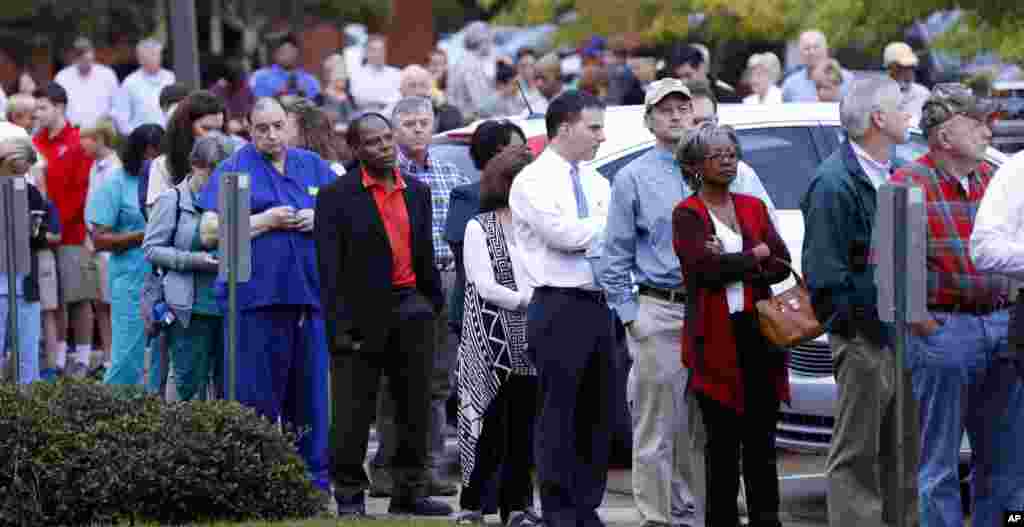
[[16, 157], [730, 255], [117, 226], [828, 80], [497, 383], [764, 71], [172, 243]]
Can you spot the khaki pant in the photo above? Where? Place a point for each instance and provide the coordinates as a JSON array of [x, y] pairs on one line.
[[862, 471], [668, 454]]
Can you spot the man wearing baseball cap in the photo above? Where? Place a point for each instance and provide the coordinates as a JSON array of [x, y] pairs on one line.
[[954, 356], [900, 62], [668, 473]]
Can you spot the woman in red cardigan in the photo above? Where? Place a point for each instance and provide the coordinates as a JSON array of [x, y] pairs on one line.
[[727, 245]]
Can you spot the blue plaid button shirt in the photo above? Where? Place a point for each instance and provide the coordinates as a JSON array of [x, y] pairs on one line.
[[442, 177]]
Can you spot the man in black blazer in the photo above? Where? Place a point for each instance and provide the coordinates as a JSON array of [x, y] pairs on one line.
[[381, 293]]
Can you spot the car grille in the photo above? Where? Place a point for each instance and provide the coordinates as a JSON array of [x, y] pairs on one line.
[[812, 359], [805, 432]]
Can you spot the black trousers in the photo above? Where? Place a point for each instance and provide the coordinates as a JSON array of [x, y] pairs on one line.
[[753, 432], [505, 445], [572, 344], [405, 353]]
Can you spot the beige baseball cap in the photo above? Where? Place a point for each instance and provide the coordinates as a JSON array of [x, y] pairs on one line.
[[660, 89], [899, 53]]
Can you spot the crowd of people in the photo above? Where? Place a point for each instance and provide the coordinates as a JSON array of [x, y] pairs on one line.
[[385, 280]]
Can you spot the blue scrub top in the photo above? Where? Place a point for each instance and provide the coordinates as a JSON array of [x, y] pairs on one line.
[[284, 267], [115, 204], [273, 81]]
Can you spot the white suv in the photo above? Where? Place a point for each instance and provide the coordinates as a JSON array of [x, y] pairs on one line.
[[784, 144]]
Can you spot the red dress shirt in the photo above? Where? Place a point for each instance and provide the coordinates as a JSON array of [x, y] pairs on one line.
[[395, 216]]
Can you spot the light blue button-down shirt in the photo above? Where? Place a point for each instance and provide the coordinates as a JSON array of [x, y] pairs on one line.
[[138, 101], [798, 86], [638, 239]]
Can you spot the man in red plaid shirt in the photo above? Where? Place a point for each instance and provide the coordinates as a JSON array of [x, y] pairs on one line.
[[953, 356]]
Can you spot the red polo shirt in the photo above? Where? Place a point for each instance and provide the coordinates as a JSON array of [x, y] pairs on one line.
[[394, 214], [67, 179]]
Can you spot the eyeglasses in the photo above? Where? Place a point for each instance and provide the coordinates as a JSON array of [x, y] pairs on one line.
[[730, 155]]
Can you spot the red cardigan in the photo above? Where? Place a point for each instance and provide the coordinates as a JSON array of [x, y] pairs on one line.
[[709, 346]]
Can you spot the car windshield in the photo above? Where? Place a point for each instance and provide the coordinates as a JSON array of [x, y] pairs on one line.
[[457, 153]]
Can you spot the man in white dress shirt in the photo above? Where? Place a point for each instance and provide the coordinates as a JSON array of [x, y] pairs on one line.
[[138, 101], [375, 85], [559, 211], [90, 86]]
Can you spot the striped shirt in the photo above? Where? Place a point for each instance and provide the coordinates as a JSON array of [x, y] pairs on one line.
[[953, 281], [442, 177]]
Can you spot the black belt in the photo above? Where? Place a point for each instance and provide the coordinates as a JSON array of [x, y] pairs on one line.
[[678, 297], [978, 310], [596, 295]]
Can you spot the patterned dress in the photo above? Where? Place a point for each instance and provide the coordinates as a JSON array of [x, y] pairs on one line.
[[493, 346]]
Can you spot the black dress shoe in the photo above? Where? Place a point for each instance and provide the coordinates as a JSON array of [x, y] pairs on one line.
[[440, 487], [420, 507], [352, 507]]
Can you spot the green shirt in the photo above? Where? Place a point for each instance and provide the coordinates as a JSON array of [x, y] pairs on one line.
[[206, 300]]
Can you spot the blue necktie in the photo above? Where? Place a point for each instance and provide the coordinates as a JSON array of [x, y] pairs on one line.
[[577, 189]]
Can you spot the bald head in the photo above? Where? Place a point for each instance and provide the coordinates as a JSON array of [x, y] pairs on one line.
[[549, 75], [16, 156], [813, 47], [20, 110], [416, 82]]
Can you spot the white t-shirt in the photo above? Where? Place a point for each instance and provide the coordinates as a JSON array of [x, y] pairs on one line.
[[732, 242]]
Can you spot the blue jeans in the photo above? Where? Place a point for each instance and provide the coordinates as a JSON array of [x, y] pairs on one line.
[[961, 384], [29, 324]]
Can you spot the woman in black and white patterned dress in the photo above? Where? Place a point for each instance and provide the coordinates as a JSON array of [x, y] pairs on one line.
[[497, 383]]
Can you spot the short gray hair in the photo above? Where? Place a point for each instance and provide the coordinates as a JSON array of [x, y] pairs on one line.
[[476, 34], [20, 146], [695, 147], [18, 103], [412, 105], [263, 104], [149, 44], [864, 98], [211, 149]]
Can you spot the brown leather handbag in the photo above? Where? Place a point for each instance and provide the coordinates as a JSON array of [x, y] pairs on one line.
[[787, 319]]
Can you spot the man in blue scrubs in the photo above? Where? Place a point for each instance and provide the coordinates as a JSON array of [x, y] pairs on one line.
[[282, 349]]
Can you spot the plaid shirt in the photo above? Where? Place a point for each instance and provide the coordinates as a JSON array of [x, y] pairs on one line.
[[953, 281], [442, 177]]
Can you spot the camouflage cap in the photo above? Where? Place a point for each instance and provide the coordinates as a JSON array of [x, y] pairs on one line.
[[948, 100]]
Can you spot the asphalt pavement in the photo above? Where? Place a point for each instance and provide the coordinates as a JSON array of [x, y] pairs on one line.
[[801, 483]]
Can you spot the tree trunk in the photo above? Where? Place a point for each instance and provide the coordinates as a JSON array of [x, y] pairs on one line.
[[411, 31]]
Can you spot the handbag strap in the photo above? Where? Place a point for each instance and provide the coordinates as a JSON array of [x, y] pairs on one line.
[[827, 325], [796, 275], [159, 271]]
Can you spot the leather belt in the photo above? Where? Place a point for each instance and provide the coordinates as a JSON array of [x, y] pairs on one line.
[[677, 297], [971, 309], [595, 295]]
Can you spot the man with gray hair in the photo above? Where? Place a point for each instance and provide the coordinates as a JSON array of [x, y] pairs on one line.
[[798, 85], [138, 101], [839, 214], [472, 78], [374, 86], [413, 120], [91, 87], [956, 357], [20, 111], [416, 81]]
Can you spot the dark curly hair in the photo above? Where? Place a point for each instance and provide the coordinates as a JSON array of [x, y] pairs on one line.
[[179, 139]]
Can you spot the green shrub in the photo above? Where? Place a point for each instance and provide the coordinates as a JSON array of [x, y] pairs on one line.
[[75, 453]]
